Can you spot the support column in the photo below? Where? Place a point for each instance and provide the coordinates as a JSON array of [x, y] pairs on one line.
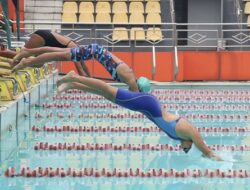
[[4, 4]]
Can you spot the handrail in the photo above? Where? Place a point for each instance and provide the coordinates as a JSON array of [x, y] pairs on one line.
[[27, 76], [175, 48], [238, 10], [200, 36], [166, 26], [12, 21], [14, 81], [153, 62], [169, 31]]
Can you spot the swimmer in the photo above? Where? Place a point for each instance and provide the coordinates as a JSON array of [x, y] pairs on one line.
[[119, 70], [42, 38], [174, 126]]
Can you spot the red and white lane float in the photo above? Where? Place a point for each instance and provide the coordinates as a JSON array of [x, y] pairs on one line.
[[139, 116], [10, 172], [131, 147], [100, 146], [134, 129], [57, 105], [105, 172], [177, 95]]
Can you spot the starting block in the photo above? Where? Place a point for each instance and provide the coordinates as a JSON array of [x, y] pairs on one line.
[[34, 74], [23, 79], [8, 89]]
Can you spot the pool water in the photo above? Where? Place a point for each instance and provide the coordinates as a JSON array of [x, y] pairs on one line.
[[77, 119]]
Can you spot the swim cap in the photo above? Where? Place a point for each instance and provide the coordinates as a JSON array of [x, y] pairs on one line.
[[143, 84]]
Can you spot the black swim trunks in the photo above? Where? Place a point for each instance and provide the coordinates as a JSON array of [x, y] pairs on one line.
[[50, 39]]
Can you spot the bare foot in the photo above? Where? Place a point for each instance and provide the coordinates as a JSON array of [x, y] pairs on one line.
[[66, 78], [62, 88], [22, 54]]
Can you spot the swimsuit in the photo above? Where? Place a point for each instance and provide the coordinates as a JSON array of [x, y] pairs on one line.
[[50, 39], [149, 106], [99, 53]]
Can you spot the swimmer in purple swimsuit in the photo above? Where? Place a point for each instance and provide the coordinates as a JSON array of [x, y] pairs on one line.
[[116, 67], [175, 127]]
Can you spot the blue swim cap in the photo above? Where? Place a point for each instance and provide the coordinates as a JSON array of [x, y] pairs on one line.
[[143, 84]]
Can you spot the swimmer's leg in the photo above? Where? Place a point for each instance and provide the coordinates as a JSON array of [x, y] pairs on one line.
[[127, 76], [66, 79], [100, 87], [74, 85]]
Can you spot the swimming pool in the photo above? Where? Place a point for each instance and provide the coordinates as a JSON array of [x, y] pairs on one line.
[[81, 141]]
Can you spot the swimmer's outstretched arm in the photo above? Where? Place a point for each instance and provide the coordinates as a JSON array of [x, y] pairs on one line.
[[43, 58], [186, 131], [84, 69], [200, 144], [25, 52]]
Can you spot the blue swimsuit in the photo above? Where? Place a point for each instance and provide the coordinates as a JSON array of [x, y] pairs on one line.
[[99, 53], [149, 106]]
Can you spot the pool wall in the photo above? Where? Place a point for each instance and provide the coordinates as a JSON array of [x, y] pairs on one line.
[[13, 112]]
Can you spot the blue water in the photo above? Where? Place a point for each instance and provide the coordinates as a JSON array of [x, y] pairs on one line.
[[215, 107]]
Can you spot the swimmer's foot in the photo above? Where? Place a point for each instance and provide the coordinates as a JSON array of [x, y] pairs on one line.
[[66, 78], [24, 53], [62, 88]]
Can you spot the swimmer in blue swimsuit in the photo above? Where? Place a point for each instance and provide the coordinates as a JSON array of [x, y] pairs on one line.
[[175, 127], [118, 70]]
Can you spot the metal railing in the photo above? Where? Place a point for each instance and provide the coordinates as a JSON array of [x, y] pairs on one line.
[[238, 10], [199, 36]]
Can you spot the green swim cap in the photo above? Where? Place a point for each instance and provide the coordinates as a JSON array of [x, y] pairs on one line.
[[143, 84]]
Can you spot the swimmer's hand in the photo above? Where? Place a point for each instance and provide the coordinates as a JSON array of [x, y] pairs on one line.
[[19, 66], [216, 158], [14, 69], [212, 156], [24, 53]]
